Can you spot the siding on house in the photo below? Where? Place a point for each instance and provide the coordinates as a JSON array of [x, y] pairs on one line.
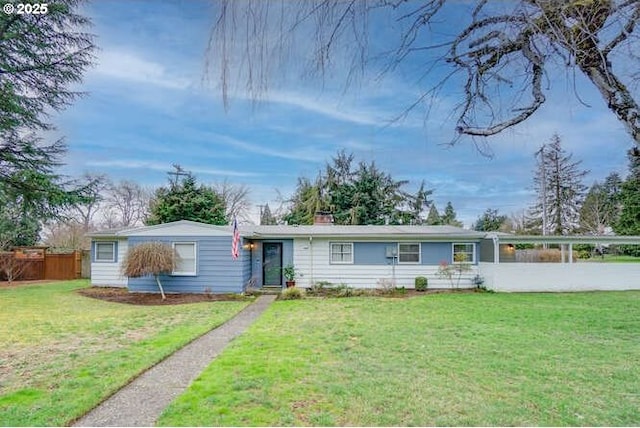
[[216, 271], [311, 258], [374, 253], [107, 274]]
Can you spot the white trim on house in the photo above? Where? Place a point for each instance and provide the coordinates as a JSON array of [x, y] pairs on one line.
[[193, 272], [409, 253], [473, 252], [112, 256], [341, 253]]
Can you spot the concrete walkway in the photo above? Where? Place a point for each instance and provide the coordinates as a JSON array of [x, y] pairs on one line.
[[141, 402]]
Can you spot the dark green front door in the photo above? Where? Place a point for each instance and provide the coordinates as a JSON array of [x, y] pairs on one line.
[[272, 266]]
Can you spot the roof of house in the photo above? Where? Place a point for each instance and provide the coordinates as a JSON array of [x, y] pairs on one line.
[[368, 231], [191, 228]]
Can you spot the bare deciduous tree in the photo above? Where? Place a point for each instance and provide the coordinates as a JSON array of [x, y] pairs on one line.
[[128, 203], [69, 235], [236, 199], [84, 211], [503, 54], [11, 267]]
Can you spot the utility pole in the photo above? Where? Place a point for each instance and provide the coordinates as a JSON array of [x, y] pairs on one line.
[[179, 172]]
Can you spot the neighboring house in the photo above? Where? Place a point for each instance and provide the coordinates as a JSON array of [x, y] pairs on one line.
[[359, 256]]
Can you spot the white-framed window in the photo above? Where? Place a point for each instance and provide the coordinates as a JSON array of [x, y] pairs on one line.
[[464, 253], [105, 252], [409, 252], [341, 252], [185, 258]]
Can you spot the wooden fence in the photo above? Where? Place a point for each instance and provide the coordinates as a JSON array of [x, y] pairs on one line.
[[31, 264], [63, 266]]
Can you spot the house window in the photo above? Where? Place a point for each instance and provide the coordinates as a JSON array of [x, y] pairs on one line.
[[409, 253], [341, 252], [105, 252], [464, 253], [185, 258]]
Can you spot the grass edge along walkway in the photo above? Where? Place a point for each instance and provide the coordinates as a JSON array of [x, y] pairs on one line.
[[140, 402]]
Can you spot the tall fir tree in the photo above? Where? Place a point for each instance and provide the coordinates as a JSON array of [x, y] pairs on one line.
[[433, 218], [183, 199], [559, 189], [449, 216], [490, 220], [363, 194], [266, 217], [41, 57], [629, 220]]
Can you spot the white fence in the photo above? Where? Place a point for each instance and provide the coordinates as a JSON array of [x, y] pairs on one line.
[[522, 277]]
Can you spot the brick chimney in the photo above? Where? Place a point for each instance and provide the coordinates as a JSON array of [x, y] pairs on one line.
[[323, 218]]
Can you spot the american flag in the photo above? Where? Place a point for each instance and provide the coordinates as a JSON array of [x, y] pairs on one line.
[[235, 243]]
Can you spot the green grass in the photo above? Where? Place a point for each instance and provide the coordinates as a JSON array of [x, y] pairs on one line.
[[442, 359], [62, 353], [610, 258]]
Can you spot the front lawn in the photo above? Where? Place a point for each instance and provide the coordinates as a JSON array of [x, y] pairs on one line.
[[62, 353], [441, 359]]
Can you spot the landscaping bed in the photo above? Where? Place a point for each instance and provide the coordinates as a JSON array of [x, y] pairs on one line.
[[122, 295]]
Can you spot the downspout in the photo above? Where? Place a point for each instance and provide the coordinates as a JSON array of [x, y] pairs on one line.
[[311, 260], [496, 248]]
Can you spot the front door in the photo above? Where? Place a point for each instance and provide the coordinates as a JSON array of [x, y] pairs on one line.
[[272, 266]]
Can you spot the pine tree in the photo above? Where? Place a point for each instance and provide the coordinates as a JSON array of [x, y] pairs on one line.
[[266, 217], [449, 216], [558, 184], [184, 200], [433, 218], [490, 220]]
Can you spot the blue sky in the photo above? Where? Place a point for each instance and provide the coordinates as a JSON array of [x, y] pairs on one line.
[[149, 105]]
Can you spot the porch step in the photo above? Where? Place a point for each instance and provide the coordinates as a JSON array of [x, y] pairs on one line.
[[271, 289]]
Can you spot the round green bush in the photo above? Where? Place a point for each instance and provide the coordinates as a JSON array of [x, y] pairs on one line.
[[421, 283]]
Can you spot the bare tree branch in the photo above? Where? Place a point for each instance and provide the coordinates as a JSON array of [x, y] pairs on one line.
[[504, 50]]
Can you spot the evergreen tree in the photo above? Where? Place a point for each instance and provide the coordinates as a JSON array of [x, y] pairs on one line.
[[184, 200], [362, 195], [489, 221], [433, 218], [558, 184], [305, 202], [601, 206], [266, 217], [449, 216], [41, 55], [629, 221], [418, 203]]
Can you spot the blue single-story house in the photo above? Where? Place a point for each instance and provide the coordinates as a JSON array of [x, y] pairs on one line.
[[359, 256]]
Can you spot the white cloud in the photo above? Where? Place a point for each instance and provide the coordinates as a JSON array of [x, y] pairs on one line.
[[158, 166], [309, 154], [124, 65]]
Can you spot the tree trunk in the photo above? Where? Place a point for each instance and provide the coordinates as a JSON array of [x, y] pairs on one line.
[[160, 287]]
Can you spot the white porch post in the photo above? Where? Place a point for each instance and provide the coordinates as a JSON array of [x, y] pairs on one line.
[[570, 252], [496, 249]]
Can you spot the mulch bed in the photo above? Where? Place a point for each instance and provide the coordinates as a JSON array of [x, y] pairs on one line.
[[122, 295]]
